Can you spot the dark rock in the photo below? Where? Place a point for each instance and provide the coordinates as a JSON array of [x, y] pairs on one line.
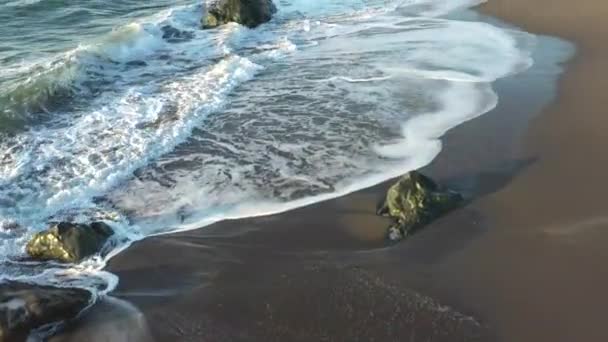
[[250, 13], [11, 228], [69, 242], [137, 63], [415, 200], [173, 35], [110, 320], [24, 307]]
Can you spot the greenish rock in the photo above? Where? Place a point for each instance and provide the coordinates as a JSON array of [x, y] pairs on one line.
[[415, 200], [250, 13], [24, 307], [210, 21], [69, 242]]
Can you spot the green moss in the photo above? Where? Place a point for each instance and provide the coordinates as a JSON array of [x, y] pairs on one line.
[[414, 201], [68, 243], [47, 245], [210, 21]]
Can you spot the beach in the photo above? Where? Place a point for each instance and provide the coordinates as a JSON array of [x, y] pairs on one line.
[[545, 266], [522, 261], [233, 169]]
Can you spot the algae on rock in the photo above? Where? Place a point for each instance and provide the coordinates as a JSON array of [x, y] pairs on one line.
[[415, 200], [69, 242]]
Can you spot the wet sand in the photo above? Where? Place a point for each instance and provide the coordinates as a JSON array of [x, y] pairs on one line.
[[542, 274], [523, 261]]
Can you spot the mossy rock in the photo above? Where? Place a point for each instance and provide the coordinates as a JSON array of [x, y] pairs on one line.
[[69, 242], [415, 200], [250, 13]]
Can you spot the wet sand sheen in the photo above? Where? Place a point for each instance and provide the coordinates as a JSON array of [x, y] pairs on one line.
[[542, 275], [522, 262]]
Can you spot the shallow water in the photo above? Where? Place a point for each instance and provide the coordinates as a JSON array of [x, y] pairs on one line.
[[131, 114]]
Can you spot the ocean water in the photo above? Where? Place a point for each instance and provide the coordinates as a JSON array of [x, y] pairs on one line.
[[127, 112]]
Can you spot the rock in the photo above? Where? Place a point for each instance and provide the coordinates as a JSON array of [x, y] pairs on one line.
[[414, 201], [137, 63], [110, 320], [395, 233], [24, 307], [173, 35], [11, 229], [69, 242], [250, 13]]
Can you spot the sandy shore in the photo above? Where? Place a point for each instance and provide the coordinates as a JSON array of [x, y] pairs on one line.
[[522, 262], [542, 277]]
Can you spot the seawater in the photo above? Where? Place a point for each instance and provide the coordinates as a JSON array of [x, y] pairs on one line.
[[129, 113]]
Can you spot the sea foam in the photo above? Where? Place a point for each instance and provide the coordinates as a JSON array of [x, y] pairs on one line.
[[167, 135]]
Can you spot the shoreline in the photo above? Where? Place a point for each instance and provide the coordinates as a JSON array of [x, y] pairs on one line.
[[198, 277], [541, 278]]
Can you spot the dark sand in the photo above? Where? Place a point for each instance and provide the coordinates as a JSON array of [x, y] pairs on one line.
[[539, 274], [523, 261]]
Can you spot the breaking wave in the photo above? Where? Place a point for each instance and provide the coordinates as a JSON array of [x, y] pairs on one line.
[[157, 126]]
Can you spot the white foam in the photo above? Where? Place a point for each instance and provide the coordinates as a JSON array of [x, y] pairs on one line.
[[462, 66], [353, 80], [21, 3], [459, 52], [319, 124], [419, 146], [422, 132], [52, 170], [129, 42], [435, 8], [102, 148]]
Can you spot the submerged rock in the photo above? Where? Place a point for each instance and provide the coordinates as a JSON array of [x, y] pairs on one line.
[[414, 201], [24, 307], [69, 242], [173, 35], [250, 13], [137, 63], [111, 320]]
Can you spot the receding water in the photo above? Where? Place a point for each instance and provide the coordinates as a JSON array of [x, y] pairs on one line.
[[127, 112]]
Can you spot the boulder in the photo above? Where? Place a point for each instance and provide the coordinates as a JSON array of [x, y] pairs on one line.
[[415, 200], [250, 13], [24, 307], [173, 35], [69, 242], [110, 320]]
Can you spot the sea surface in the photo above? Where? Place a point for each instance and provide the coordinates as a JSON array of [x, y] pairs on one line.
[[127, 112]]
